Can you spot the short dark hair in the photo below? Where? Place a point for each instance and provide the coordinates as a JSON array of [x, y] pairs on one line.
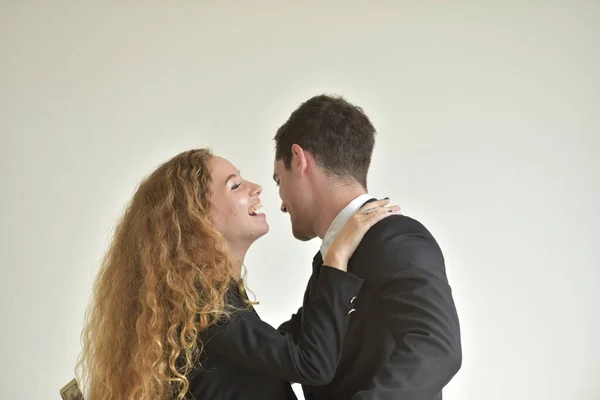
[[336, 132]]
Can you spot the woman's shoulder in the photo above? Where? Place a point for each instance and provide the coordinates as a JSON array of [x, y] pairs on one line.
[[237, 308], [236, 299]]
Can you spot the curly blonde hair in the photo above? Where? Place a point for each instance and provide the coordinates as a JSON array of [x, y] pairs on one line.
[[162, 282]]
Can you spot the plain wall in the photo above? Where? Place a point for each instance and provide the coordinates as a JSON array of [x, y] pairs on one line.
[[488, 132]]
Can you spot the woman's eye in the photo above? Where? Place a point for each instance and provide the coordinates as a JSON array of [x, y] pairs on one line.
[[235, 186]]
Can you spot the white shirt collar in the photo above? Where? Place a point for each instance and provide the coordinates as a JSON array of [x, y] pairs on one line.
[[341, 219]]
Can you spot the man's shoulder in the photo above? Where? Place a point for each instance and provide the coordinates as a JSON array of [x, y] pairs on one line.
[[396, 225], [393, 244], [398, 235]]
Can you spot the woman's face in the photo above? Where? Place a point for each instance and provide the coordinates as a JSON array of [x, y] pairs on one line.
[[235, 204]]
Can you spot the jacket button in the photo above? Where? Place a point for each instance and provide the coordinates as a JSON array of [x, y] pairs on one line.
[[351, 311], [353, 299]]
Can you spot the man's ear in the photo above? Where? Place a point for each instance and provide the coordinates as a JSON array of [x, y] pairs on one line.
[[299, 159]]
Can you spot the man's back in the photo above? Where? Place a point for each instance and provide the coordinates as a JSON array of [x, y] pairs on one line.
[[404, 337]]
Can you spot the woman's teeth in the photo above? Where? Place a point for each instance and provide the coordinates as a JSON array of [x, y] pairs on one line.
[[254, 209]]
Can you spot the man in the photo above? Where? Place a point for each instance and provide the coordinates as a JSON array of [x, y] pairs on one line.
[[404, 337]]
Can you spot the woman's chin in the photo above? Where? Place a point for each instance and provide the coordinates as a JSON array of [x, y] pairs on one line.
[[259, 228], [264, 230]]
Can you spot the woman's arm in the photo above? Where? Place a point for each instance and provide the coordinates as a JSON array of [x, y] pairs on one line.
[[312, 358], [310, 355]]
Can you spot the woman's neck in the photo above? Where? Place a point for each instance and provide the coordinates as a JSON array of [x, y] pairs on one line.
[[237, 269], [238, 254]]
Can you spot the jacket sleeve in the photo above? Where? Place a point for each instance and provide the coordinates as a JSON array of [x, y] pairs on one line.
[[311, 356], [295, 322], [417, 308], [292, 326]]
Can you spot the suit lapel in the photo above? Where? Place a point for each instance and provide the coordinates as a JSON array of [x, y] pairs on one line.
[[314, 278], [317, 262]]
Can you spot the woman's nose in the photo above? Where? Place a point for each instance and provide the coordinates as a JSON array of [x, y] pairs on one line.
[[256, 190]]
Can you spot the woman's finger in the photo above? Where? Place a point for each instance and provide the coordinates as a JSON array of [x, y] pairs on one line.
[[388, 209], [379, 214], [373, 205]]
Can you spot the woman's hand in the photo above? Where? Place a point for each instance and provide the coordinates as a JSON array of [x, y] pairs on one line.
[[358, 225]]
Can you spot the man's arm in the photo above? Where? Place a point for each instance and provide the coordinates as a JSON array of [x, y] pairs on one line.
[[309, 358], [416, 305]]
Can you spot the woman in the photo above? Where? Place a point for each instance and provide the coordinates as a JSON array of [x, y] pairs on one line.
[[169, 314]]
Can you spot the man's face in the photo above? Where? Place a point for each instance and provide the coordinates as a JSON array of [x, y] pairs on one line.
[[295, 194]]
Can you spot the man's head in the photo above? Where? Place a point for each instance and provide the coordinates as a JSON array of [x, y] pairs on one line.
[[325, 137]]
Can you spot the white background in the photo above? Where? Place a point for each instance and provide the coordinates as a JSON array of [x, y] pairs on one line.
[[488, 121]]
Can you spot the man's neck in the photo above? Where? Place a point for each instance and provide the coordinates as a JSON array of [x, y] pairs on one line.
[[333, 200]]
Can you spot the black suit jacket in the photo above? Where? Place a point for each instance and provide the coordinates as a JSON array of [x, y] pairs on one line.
[[248, 359], [404, 338]]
